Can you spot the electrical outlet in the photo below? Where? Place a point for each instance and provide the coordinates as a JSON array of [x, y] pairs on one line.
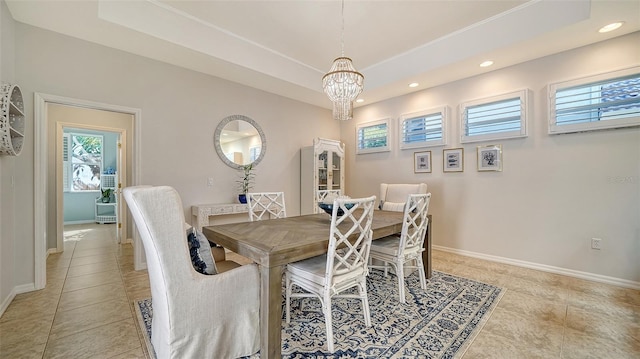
[[596, 243], [210, 181]]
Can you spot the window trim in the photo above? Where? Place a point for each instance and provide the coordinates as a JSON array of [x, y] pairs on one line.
[[442, 110], [524, 96], [555, 129], [364, 125]]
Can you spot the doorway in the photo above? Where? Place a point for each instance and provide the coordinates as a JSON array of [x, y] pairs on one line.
[[91, 169], [47, 178]]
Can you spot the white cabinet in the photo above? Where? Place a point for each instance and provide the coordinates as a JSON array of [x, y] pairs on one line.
[[322, 168], [11, 120], [107, 212]]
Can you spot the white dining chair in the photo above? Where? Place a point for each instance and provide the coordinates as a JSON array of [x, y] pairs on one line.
[[266, 205], [400, 250], [343, 267], [325, 194]]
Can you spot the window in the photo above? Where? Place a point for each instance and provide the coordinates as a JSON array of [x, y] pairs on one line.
[[497, 117], [82, 162], [423, 129], [604, 101], [373, 137], [254, 153]]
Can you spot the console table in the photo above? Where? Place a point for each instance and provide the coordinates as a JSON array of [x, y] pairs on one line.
[[201, 212]]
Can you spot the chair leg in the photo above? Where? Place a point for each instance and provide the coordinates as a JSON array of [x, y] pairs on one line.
[[400, 274], [362, 288], [326, 308], [421, 273]]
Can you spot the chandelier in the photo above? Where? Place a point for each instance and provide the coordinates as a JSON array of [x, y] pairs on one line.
[[342, 83]]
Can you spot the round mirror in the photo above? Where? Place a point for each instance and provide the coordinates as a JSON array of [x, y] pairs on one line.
[[239, 141]]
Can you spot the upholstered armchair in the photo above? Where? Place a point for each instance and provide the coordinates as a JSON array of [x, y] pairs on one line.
[[194, 315], [394, 195]]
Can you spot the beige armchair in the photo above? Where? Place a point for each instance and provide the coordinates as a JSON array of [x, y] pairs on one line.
[[394, 195], [194, 315]]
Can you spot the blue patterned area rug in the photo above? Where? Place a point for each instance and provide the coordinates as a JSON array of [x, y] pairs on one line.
[[440, 322]]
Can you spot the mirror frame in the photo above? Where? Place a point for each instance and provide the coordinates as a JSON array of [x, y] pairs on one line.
[[218, 133]]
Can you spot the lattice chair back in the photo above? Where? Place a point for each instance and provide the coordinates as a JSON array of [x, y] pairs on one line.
[[266, 205], [415, 222], [348, 252], [323, 194]]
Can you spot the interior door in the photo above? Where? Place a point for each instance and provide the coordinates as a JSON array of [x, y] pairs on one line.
[[118, 191]]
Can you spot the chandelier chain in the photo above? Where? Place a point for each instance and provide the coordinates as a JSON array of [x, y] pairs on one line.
[[342, 83], [342, 33]]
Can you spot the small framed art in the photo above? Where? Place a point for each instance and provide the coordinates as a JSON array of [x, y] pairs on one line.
[[453, 160], [490, 158], [422, 162]]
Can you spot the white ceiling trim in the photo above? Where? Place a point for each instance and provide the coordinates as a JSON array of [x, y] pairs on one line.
[[531, 19], [152, 18]]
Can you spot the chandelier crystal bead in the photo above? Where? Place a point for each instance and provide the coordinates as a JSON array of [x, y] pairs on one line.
[[342, 84]]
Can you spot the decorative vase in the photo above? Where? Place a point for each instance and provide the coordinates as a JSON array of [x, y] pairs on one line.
[[242, 198]]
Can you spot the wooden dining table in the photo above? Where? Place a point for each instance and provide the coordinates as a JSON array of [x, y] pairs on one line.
[[274, 243]]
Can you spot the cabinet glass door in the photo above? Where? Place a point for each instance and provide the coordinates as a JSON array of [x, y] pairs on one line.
[[335, 170], [323, 173]]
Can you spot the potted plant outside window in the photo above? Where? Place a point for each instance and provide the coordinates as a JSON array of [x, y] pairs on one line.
[[246, 182]]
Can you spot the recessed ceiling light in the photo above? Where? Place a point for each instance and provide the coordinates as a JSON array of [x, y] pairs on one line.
[[414, 84], [360, 100], [610, 27], [486, 63]]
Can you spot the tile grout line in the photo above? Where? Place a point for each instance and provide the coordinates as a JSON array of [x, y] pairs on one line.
[[59, 297]]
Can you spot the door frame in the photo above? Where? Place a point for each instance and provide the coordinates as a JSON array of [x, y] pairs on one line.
[[40, 173]]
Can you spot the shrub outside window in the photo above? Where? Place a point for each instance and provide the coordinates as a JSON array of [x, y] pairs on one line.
[[372, 137], [497, 117], [82, 162], [423, 129], [604, 101]]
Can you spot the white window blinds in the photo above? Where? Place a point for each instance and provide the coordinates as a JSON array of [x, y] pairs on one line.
[[373, 137], [599, 102], [497, 117], [423, 129]]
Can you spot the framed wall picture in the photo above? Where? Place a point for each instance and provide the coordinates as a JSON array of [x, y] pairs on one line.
[[490, 158], [453, 160], [422, 162]]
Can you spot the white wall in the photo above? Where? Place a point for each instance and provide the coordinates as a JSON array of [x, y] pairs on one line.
[[555, 192], [180, 110], [6, 170]]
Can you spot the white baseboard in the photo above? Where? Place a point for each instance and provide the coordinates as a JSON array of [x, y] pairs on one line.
[[7, 301], [545, 268], [24, 288], [84, 221]]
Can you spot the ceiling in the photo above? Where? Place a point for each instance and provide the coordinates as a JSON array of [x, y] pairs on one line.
[[285, 47]]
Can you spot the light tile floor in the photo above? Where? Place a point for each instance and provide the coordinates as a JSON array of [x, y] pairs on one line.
[[86, 309]]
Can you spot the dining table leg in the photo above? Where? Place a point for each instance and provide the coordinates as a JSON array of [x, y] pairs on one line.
[[270, 311], [426, 254]]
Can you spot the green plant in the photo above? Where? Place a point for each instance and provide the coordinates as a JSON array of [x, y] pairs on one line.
[[246, 178], [106, 195]]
